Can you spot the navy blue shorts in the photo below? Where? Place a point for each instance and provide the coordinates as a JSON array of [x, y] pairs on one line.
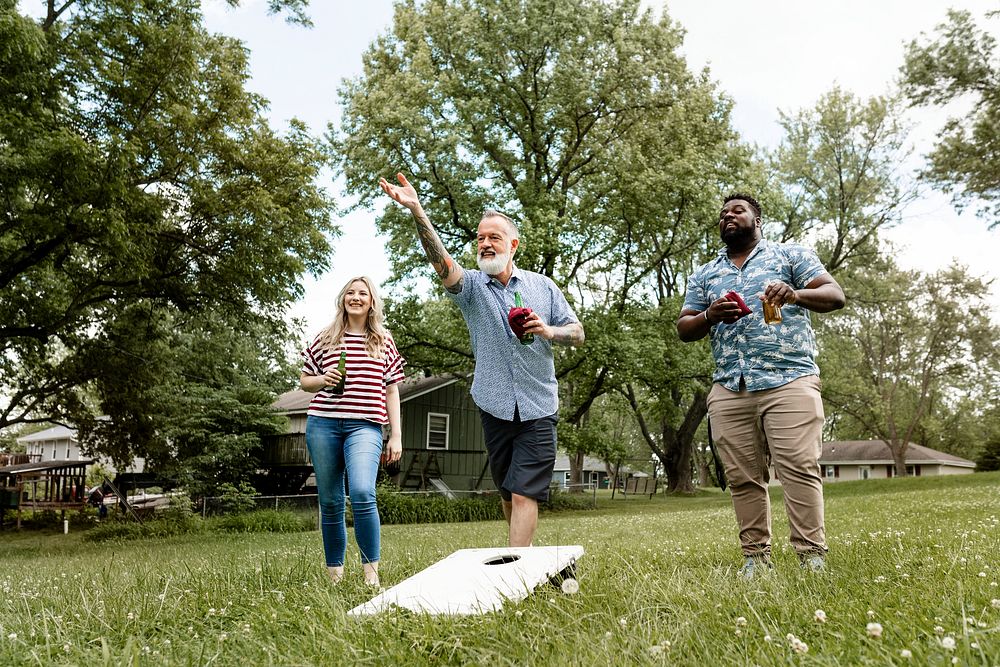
[[522, 454]]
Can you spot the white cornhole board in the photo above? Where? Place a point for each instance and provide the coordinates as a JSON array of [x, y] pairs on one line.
[[464, 582]]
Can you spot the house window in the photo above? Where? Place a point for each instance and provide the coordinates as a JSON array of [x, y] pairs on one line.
[[864, 472], [437, 430], [67, 452], [829, 472]]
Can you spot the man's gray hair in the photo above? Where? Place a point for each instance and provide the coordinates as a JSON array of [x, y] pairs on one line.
[[512, 226]]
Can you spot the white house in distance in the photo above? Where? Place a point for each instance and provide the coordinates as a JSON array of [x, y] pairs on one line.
[[59, 443], [847, 460]]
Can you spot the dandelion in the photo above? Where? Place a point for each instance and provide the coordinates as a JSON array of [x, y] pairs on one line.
[[874, 630], [570, 586], [948, 643], [906, 653], [740, 621], [819, 616]]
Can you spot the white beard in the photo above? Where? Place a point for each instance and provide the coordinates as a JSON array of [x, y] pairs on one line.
[[494, 266]]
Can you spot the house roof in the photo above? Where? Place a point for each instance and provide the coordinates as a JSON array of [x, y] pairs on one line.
[[54, 433], [297, 401], [876, 451], [22, 468]]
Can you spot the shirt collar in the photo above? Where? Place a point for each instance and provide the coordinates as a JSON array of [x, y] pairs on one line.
[[724, 251], [515, 273]]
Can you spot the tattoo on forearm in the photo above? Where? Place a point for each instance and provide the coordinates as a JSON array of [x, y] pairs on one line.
[[457, 287], [433, 248], [571, 334]]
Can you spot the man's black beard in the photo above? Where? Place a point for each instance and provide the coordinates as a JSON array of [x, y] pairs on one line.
[[739, 237]]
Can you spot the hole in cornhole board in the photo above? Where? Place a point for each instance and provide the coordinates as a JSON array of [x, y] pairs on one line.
[[502, 560]]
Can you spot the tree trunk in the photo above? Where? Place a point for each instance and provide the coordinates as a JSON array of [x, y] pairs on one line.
[[576, 471], [899, 457]]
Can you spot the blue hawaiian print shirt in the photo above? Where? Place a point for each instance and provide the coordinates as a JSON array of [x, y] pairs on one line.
[[507, 372], [764, 355]]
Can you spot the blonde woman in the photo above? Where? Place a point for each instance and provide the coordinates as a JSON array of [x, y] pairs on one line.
[[344, 430]]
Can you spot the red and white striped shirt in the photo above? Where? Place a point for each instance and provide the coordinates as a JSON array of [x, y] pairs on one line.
[[367, 378]]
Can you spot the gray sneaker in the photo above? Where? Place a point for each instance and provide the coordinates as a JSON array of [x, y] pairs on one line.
[[814, 563], [755, 566]]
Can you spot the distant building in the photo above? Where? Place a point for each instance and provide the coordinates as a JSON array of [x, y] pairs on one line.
[[442, 437], [846, 460], [59, 443]]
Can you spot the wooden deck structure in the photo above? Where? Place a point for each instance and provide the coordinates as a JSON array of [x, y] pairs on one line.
[[48, 485]]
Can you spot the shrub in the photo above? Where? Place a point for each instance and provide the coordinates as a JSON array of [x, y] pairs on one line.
[[560, 501], [396, 507], [265, 521]]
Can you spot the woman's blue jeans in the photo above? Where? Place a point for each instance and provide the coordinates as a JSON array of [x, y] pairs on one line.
[[351, 446]]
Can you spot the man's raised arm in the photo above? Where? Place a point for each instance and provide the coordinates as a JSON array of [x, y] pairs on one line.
[[405, 194]]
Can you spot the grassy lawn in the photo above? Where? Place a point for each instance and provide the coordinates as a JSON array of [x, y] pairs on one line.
[[919, 557]]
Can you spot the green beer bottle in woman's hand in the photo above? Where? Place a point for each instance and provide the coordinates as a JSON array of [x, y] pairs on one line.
[[338, 389]]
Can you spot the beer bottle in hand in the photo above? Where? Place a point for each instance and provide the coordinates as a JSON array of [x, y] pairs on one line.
[[338, 389]]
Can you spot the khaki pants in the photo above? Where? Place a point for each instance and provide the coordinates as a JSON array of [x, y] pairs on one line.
[[783, 424]]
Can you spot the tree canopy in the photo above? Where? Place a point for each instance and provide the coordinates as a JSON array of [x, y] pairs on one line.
[[959, 63], [142, 184]]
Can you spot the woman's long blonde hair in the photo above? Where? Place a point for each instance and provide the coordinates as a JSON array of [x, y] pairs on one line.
[[376, 334]]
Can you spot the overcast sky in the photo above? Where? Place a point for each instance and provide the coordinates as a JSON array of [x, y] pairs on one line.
[[767, 55]]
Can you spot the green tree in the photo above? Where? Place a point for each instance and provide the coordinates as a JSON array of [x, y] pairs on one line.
[[904, 340], [580, 119], [142, 186], [959, 63], [838, 172]]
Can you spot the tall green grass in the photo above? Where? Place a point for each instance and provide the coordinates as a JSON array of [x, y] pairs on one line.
[[919, 557]]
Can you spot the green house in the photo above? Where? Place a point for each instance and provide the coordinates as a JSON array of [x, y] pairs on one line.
[[443, 446]]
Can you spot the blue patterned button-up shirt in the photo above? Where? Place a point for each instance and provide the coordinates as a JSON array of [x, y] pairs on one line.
[[765, 355], [507, 372]]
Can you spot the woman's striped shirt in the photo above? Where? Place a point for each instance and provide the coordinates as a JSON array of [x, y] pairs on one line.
[[367, 378]]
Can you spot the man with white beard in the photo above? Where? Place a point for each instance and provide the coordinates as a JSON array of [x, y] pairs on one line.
[[514, 384]]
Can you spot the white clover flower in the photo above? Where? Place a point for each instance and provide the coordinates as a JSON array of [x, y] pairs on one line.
[[622, 622], [738, 632], [665, 644], [66, 648], [871, 614], [982, 574], [948, 643], [131, 616], [974, 646], [938, 630], [767, 638], [819, 616], [880, 579], [874, 630], [655, 650], [570, 586], [223, 637], [995, 603], [12, 636], [906, 653], [518, 613], [800, 646], [740, 621], [306, 608]]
